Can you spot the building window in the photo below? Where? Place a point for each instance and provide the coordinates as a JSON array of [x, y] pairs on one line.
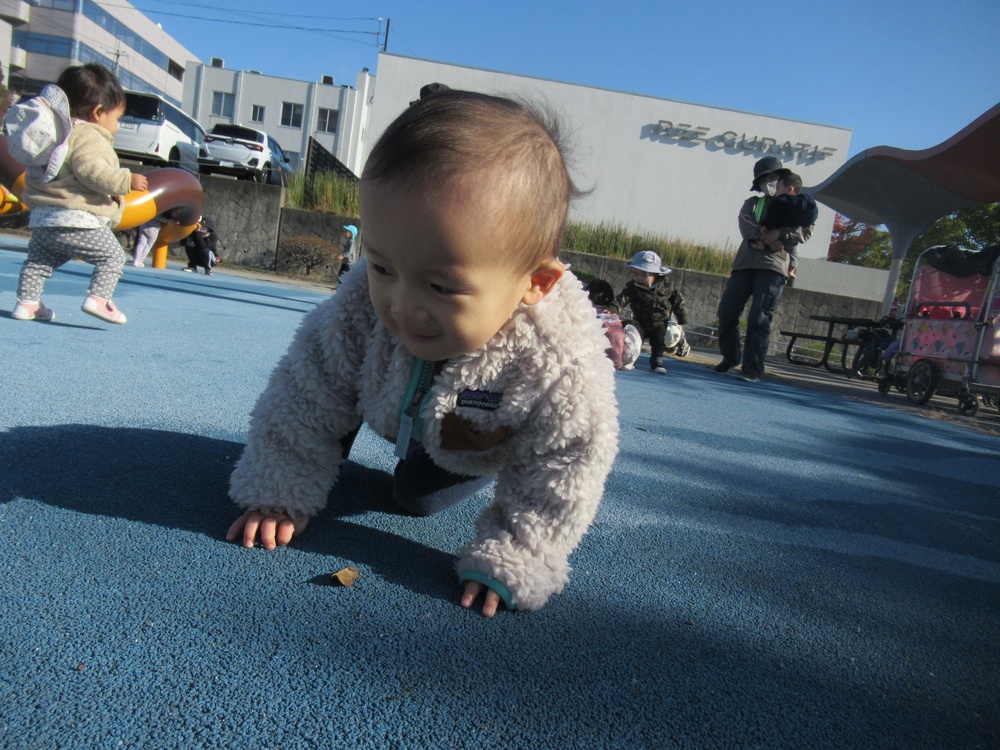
[[327, 121], [258, 113], [55, 4], [291, 115], [222, 104]]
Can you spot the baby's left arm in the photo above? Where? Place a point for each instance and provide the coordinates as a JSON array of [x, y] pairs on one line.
[[548, 493]]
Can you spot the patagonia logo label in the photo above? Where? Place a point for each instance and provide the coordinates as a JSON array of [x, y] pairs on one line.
[[480, 399]]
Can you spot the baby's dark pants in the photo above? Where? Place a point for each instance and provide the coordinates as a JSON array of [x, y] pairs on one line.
[[420, 486], [656, 334]]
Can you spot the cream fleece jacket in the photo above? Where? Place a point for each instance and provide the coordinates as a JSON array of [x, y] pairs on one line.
[[544, 378], [91, 178]]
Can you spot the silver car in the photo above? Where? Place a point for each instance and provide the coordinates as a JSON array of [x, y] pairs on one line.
[[244, 153]]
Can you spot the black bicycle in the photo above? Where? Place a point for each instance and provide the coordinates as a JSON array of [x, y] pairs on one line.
[[875, 347]]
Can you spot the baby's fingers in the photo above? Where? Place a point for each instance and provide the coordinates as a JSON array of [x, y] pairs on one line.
[[252, 525], [239, 525], [491, 603], [472, 590], [286, 530], [471, 593]]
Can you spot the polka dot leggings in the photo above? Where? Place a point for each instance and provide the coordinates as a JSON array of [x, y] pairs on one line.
[[51, 247]]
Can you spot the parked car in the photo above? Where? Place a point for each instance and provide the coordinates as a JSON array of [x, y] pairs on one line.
[[153, 131], [244, 153]]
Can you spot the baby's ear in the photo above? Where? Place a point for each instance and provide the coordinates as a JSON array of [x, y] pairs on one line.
[[543, 281]]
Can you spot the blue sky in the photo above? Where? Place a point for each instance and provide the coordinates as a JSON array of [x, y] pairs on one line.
[[897, 72]]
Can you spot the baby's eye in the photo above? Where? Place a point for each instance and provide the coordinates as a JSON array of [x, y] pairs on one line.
[[442, 289], [380, 270]]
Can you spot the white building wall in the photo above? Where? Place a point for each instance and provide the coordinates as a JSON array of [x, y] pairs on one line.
[[5, 32], [355, 119], [656, 165]]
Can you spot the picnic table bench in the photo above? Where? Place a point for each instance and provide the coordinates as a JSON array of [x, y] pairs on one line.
[[831, 339]]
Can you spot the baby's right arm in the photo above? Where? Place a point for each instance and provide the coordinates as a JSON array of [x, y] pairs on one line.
[[293, 453]]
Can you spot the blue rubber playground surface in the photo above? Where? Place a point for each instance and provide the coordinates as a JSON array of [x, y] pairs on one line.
[[770, 567]]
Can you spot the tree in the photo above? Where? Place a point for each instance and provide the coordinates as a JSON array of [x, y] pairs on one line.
[[306, 252], [858, 244], [983, 224]]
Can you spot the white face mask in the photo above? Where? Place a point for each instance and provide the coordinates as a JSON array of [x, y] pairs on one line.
[[771, 186]]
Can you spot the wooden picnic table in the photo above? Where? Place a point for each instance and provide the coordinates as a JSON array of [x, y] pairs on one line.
[[830, 340]]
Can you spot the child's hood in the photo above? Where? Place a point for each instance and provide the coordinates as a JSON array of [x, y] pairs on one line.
[[38, 132]]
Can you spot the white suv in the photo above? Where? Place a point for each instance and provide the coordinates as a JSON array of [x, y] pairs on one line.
[[245, 153]]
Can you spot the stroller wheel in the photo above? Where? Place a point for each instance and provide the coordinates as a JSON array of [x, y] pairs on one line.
[[968, 404], [920, 382]]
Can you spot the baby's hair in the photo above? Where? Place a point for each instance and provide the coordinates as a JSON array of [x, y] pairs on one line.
[[793, 181], [456, 142], [89, 86], [600, 293]]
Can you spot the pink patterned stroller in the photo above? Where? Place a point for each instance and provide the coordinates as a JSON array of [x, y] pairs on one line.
[[951, 339]]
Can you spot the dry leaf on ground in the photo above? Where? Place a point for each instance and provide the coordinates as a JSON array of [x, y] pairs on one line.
[[346, 577]]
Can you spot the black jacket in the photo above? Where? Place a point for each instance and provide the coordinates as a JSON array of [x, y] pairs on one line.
[[652, 305]]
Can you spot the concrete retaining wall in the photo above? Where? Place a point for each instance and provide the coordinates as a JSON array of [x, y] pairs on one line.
[[251, 220]]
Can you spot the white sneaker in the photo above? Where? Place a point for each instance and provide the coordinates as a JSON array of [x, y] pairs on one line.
[[138, 264]]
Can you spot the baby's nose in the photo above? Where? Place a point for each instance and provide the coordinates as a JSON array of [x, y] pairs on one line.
[[405, 306]]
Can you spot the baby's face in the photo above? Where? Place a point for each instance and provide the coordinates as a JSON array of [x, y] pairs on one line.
[[642, 278], [108, 118], [438, 274]]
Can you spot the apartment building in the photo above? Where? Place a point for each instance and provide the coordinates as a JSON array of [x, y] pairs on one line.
[[289, 110], [38, 38]]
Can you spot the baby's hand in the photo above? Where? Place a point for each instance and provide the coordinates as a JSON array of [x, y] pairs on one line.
[[792, 274], [139, 182], [757, 245], [769, 236], [472, 591], [276, 529]]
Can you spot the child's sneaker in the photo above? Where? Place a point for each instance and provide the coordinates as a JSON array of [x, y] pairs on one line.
[[138, 264], [684, 349], [104, 309], [32, 311]]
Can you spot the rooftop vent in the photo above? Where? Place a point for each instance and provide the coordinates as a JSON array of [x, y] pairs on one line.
[[327, 80], [254, 71], [218, 62]]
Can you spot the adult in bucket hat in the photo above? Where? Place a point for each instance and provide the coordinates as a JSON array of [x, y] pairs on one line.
[[759, 275], [653, 300], [765, 168]]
